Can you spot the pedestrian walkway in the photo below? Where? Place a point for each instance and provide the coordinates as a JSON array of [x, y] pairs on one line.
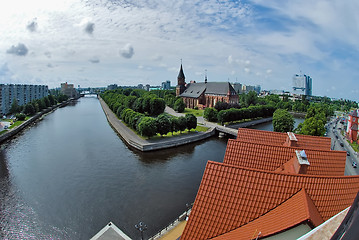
[[175, 233]]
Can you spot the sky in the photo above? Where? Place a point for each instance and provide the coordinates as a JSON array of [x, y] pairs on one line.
[[94, 43]]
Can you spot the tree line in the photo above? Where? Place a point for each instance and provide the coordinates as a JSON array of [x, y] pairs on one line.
[[37, 105], [143, 111]]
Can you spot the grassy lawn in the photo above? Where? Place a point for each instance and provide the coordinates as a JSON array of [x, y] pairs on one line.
[[197, 113]]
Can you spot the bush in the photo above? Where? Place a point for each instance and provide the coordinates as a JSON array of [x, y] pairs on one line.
[[179, 105], [20, 116], [182, 123], [210, 114], [147, 127], [157, 106], [191, 121], [164, 124]]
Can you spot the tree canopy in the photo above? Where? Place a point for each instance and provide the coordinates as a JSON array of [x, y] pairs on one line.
[[283, 121]]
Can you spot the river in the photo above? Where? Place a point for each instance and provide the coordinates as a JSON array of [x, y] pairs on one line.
[[69, 175]]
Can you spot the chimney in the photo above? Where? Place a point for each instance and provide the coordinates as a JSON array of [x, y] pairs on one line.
[[291, 140], [302, 165]]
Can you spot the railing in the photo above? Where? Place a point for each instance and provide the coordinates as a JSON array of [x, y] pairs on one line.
[[179, 219]]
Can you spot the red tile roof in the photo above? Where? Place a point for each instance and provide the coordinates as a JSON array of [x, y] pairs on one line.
[[280, 139], [230, 197], [270, 157], [296, 210]]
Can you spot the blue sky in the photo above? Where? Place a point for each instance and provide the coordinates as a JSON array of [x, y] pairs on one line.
[[99, 42]]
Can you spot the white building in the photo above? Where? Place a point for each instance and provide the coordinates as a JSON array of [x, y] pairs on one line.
[[22, 93]]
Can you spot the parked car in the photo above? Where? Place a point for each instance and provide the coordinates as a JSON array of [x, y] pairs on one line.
[[348, 153], [354, 164], [336, 136], [342, 144]]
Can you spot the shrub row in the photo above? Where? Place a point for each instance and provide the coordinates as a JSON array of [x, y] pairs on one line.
[[162, 124], [234, 114]]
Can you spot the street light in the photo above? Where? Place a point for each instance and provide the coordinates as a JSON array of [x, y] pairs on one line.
[[188, 205], [141, 226]]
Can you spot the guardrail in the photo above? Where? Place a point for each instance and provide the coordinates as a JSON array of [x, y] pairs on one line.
[[172, 224]]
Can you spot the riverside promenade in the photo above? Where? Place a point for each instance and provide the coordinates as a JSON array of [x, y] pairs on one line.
[[136, 142]]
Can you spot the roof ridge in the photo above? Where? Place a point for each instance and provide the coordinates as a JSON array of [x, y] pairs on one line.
[[278, 173], [294, 148]]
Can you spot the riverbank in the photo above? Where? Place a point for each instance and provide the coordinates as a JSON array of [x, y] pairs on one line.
[[14, 131], [135, 142]]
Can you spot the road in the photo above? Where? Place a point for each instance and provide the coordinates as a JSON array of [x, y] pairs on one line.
[[333, 132]]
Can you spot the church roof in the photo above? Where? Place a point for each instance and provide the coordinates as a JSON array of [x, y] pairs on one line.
[[230, 197], [279, 139], [181, 74], [270, 158], [194, 90]]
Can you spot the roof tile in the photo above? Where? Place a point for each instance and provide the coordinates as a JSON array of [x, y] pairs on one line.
[[270, 157], [230, 197]]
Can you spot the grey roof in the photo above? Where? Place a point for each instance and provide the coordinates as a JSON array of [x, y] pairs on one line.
[[216, 88], [194, 90]]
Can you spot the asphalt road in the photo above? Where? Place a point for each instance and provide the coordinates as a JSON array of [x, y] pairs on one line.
[[334, 129]]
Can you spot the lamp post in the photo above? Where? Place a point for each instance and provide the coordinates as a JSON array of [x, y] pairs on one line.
[[141, 226]]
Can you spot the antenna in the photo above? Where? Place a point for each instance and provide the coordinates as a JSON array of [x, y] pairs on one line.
[[181, 61]]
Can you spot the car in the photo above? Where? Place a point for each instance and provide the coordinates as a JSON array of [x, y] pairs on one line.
[[354, 164], [348, 153], [336, 136], [342, 144], [333, 127]]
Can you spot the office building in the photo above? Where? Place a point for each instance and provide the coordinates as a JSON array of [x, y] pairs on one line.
[[302, 84]]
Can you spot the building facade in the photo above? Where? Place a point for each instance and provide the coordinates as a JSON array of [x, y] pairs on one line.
[[302, 84], [22, 93], [352, 127], [205, 94], [69, 90], [166, 85]]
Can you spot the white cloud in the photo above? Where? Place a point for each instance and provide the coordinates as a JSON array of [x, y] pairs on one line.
[[127, 51], [230, 59], [19, 50], [32, 25]]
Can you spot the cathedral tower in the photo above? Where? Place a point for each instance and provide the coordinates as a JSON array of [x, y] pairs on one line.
[[181, 84]]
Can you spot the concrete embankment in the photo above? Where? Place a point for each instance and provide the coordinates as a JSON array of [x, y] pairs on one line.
[[13, 132], [134, 141], [251, 123]]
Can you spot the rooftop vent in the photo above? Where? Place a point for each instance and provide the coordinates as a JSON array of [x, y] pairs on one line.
[[302, 157], [292, 136]]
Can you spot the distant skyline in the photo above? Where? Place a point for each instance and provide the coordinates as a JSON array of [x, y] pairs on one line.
[[100, 42]]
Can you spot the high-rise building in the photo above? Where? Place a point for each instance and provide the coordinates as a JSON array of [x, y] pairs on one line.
[[166, 85], [22, 93], [302, 84]]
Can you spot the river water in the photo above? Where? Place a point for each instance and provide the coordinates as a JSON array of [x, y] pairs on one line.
[[67, 176]]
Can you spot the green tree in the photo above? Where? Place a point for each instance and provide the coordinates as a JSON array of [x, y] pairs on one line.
[[283, 121], [312, 126], [157, 106], [20, 116], [164, 124], [29, 109], [14, 108], [147, 127], [182, 123], [251, 98], [179, 105], [191, 121], [210, 114]]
